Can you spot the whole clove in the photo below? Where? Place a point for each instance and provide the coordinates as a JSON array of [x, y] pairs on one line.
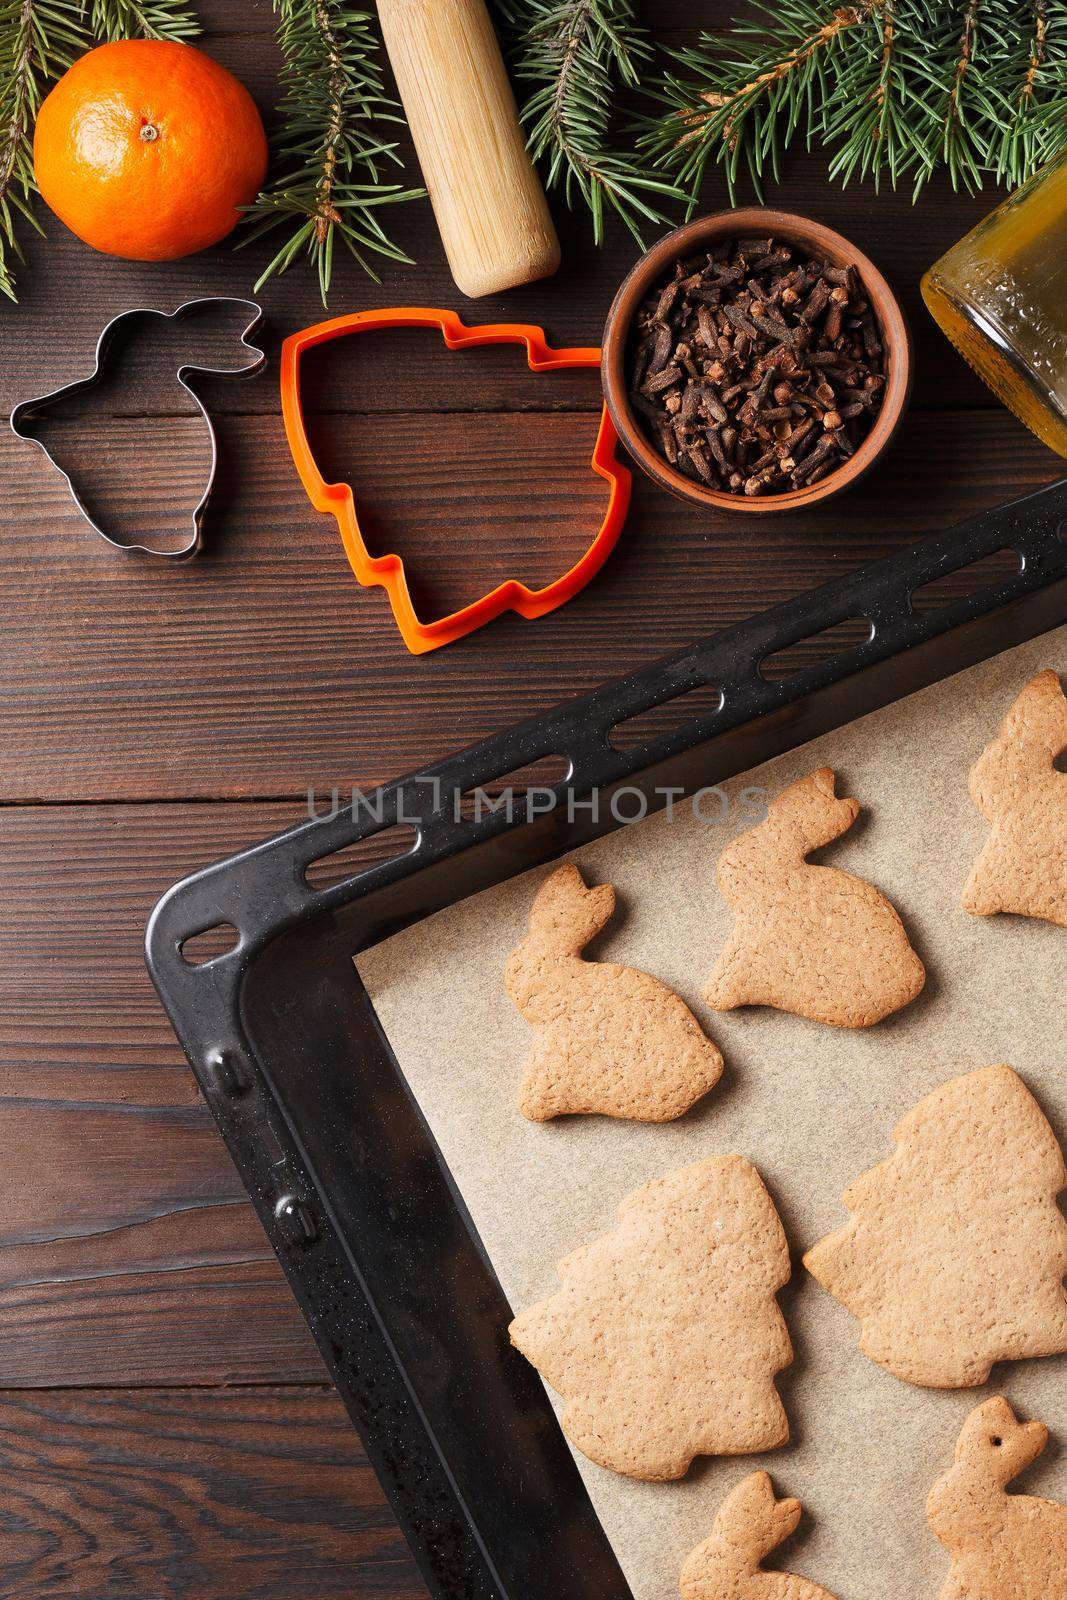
[[757, 369]]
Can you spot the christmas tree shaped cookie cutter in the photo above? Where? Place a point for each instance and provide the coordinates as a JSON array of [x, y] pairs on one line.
[[387, 571], [24, 416]]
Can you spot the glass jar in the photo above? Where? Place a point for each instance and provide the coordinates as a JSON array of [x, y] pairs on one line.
[[1001, 296]]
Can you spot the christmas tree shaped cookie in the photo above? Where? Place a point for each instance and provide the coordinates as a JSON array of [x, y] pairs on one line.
[[956, 1252], [665, 1336], [606, 1038], [750, 1524], [1016, 787], [809, 939], [1003, 1546]]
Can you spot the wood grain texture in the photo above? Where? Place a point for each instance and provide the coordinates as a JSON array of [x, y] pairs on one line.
[[262, 667], [195, 1496], [67, 296], [173, 1323], [129, 1252], [129, 1255]]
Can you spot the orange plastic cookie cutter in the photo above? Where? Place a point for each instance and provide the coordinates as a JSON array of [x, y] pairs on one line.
[[388, 571]]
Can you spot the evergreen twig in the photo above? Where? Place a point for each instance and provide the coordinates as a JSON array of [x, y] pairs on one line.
[[888, 87], [144, 19], [328, 155], [742, 95], [38, 41], [972, 109], [575, 54], [1036, 127], [869, 123]]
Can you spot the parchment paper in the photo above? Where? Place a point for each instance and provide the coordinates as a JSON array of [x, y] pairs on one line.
[[811, 1106]]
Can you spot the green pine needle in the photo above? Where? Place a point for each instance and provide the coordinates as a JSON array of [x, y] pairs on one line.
[[329, 154], [888, 88], [576, 54], [1035, 129], [38, 41], [142, 19], [739, 98]]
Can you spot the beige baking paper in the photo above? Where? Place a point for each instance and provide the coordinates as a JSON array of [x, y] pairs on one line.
[[810, 1105]]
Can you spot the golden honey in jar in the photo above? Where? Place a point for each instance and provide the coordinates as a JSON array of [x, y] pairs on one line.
[[1001, 296]]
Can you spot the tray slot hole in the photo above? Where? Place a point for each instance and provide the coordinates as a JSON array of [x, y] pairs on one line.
[[1063, 531], [667, 716], [816, 648], [209, 944], [547, 772], [399, 839], [985, 573]]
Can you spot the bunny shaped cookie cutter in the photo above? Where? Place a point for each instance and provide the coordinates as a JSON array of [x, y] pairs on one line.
[[387, 571], [27, 411]]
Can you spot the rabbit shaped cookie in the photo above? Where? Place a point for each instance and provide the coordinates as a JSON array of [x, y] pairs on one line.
[[809, 939], [607, 1038], [1016, 787], [1003, 1546], [750, 1524]]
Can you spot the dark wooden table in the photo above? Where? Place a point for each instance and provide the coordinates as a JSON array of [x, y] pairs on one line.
[[166, 1426]]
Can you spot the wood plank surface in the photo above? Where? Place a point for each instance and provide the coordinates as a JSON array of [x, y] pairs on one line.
[[69, 303], [262, 667], [120, 1496], [155, 716], [129, 1252]]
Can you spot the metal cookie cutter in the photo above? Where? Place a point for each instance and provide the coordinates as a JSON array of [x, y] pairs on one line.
[[28, 411], [388, 571]]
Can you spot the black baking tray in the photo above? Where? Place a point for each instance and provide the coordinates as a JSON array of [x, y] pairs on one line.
[[370, 1229]]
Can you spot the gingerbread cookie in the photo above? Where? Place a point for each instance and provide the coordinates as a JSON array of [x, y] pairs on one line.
[[606, 1038], [750, 1524], [1003, 1546], [1016, 787], [812, 940], [665, 1337], [956, 1252]]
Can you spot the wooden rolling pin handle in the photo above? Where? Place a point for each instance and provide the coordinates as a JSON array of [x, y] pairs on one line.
[[488, 200]]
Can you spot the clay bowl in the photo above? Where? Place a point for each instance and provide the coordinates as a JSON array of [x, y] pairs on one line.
[[654, 267]]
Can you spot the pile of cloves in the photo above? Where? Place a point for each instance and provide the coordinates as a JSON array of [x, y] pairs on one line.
[[757, 369]]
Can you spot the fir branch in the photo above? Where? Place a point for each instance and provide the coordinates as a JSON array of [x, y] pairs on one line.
[[742, 96], [1018, 145], [1050, 89], [888, 87], [38, 39], [327, 157], [1036, 129], [867, 122], [972, 110], [575, 54], [144, 19]]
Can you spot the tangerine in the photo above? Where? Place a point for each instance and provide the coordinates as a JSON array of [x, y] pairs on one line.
[[146, 148]]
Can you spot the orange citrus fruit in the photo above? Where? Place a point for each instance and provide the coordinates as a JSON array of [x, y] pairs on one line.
[[147, 148]]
